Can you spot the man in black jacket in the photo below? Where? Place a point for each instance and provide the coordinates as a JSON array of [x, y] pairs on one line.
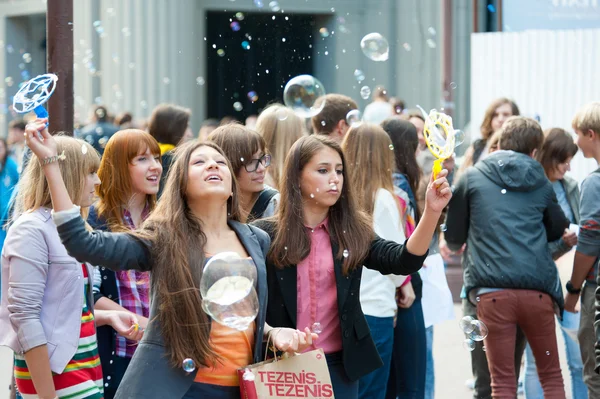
[[506, 211]]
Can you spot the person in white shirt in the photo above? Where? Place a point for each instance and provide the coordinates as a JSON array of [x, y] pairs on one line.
[[369, 151], [380, 109]]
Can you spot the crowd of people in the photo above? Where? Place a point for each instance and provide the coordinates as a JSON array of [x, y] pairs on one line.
[[106, 234]]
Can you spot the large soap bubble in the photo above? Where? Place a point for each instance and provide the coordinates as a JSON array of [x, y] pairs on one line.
[[301, 94], [227, 289], [375, 47]]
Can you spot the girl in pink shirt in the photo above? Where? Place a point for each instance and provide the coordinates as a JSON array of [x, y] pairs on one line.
[[320, 241]]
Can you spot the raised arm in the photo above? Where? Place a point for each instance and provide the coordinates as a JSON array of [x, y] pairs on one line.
[[114, 250]]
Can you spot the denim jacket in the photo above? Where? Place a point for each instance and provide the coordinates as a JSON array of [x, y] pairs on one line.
[[42, 290]]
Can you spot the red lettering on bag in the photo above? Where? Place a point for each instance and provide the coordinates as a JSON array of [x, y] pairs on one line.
[[327, 391], [310, 378], [262, 377]]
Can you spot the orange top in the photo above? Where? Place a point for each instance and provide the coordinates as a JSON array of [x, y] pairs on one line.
[[235, 350]]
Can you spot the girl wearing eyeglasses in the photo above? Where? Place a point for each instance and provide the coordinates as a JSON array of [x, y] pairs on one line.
[[246, 150]]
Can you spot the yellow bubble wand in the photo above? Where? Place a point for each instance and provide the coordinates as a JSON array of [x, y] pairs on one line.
[[440, 136]]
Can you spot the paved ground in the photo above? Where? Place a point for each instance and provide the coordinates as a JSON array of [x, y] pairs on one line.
[[452, 362]]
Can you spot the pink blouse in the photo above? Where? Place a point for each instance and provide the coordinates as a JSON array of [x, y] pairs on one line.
[[317, 291]]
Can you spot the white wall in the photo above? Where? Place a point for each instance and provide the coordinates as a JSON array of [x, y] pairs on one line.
[[548, 73]]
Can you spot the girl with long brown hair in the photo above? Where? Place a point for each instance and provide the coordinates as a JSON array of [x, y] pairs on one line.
[[196, 218], [246, 150], [369, 153], [495, 115], [320, 241], [130, 173]]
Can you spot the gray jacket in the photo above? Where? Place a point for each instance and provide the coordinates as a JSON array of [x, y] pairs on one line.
[[506, 211], [150, 375], [42, 290]]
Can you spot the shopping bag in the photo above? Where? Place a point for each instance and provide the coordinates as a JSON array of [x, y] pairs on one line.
[[303, 375]]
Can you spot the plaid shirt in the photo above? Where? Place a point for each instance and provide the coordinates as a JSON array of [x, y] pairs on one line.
[[133, 287]]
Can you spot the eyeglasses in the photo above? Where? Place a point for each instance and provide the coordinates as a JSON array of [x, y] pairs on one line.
[[252, 166]]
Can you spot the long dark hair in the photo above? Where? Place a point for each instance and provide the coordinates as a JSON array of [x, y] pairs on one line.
[[179, 239], [349, 228], [405, 141]]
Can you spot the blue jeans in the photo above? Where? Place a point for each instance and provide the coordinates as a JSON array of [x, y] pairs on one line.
[[430, 374], [408, 368], [533, 388], [382, 331]]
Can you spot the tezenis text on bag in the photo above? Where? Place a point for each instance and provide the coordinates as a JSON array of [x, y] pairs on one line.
[[295, 385]]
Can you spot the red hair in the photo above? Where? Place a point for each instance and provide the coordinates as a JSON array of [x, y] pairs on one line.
[[116, 186]]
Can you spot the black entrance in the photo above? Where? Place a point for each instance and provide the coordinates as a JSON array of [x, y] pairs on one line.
[[279, 49]]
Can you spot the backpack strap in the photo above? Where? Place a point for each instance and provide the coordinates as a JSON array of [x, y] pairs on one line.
[[261, 204]]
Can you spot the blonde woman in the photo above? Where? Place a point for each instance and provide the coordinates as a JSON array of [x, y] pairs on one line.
[[46, 316], [280, 127]]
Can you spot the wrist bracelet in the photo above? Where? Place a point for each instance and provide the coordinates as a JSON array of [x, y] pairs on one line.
[[54, 158]]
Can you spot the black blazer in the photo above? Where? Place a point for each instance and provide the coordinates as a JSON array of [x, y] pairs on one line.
[[359, 353], [150, 374]]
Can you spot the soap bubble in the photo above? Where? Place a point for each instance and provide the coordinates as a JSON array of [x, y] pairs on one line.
[[503, 191], [480, 331], [375, 47], [235, 26], [491, 8], [453, 85], [237, 106], [258, 3], [469, 344], [407, 47], [431, 43], [27, 58], [443, 227], [246, 45], [431, 31], [345, 253], [365, 92], [227, 289], [188, 365], [274, 6], [282, 114], [221, 52], [252, 96], [324, 32], [166, 80], [359, 75], [240, 16], [466, 324], [316, 328], [301, 94], [459, 137], [200, 81], [9, 81], [353, 118]]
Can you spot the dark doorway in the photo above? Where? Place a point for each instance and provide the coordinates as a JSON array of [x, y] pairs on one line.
[[260, 57]]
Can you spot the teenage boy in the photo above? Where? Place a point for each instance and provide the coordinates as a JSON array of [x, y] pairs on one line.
[[506, 211], [586, 124]]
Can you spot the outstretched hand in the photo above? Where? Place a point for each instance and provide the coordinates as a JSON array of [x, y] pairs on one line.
[[438, 192], [291, 340], [39, 140]]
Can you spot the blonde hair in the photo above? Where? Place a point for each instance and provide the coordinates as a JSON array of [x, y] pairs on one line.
[[370, 159], [588, 118], [80, 160], [280, 127]]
